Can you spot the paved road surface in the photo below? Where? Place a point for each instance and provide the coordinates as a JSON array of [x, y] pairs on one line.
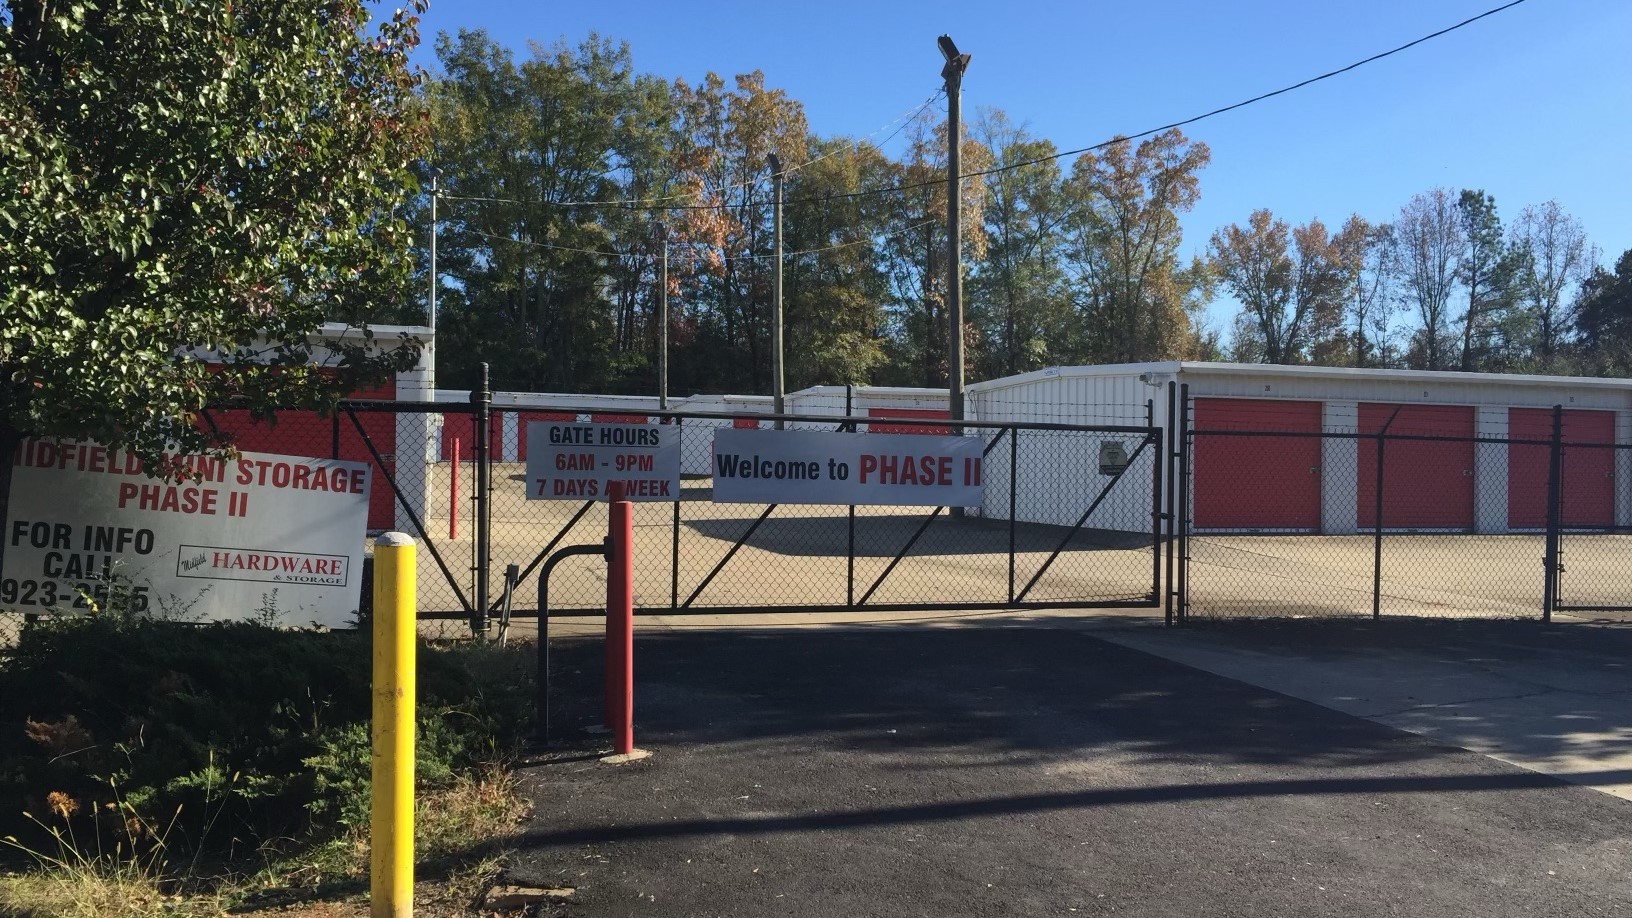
[[1037, 771]]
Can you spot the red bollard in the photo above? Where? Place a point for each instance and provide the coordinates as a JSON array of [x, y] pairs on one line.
[[620, 623], [453, 492]]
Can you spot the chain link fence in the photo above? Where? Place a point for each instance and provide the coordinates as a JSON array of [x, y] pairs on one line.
[[1067, 517], [1064, 543], [1389, 512]]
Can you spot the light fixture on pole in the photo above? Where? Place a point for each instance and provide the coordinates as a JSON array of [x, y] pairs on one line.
[[777, 382], [952, 73]]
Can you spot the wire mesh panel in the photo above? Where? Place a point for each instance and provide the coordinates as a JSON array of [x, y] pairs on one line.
[[1059, 515], [1379, 510], [1595, 528], [697, 553]]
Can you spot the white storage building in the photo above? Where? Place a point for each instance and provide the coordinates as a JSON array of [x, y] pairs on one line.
[[1304, 483]]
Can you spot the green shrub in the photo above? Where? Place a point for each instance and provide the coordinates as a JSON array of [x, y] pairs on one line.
[[224, 737]]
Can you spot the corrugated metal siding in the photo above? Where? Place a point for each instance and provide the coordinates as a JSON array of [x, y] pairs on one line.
[[1505, 391]]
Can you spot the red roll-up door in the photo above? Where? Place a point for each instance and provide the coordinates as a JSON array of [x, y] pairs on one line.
[[1427, 484], [303, 433], [931, 430], [1588, 495], [1256, 482], [461, 429]]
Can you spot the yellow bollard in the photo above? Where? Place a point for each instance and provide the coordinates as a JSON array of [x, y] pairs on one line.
[[391, 807]]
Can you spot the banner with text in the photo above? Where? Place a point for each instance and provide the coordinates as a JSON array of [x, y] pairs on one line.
[[571, 461], [262, 534], [818, 467]]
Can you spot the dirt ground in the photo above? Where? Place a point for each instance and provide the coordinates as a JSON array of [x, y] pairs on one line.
[[797, 557]]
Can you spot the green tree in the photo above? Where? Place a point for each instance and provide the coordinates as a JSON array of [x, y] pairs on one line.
[[1603, 318], [1371, 294], [547, 290], [1017, 292], [1486, 271], [1125, 203], [1292, 282], [194, 174], [834, 285], [914, 249]]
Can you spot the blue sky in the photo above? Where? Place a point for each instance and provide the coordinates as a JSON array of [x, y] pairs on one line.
[[1531, 104]]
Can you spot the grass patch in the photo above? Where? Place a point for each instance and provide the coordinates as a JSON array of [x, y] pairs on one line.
[[184, 769]]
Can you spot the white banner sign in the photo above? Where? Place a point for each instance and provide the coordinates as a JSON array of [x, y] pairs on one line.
[[571, 461], [240, 537], [818, 467]]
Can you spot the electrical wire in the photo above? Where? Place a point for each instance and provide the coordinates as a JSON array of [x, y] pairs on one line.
[[900, 123], [785, 255], [890, 189]]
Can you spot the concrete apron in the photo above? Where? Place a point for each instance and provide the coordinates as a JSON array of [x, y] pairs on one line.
[[1564, 710]]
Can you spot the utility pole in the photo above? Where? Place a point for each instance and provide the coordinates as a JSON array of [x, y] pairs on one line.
[[662, 317], [430, 314], [952, 73], [777, 382]]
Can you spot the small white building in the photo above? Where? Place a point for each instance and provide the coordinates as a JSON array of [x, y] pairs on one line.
[[512, 411], [1303, 482]]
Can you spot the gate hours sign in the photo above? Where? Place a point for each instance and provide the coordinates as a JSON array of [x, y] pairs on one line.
[[236, 536], [818, 467], [572, 461]]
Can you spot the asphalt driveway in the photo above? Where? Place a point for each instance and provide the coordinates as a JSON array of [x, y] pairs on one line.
[[1033, 770]]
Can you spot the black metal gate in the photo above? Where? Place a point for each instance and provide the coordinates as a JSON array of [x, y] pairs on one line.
[[1070, 517]]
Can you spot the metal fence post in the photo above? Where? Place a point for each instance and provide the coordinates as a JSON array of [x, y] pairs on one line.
[[1172, 459], [850, 531], [1186, 446], [1156, 512], [482, 400], [1014, 474], [1377, 536], [1555, 497], [674, 540]]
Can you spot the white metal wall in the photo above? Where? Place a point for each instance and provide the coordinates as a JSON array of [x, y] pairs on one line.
[[1117, 395]]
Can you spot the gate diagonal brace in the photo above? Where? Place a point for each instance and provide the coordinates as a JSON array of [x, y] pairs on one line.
[[985, 451], [1077, 527], [402, 501], [728, 556], [898, 556], [544, 552]]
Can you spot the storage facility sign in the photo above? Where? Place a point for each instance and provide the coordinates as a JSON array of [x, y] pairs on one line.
[[571, 461], [86, 526], [819, 467]]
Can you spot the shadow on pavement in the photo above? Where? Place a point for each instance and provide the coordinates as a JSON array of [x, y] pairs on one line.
[[1029, 770]]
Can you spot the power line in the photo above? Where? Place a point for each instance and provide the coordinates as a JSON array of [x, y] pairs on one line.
[[899, 122], [609, 254], [889, 189], [1259, 98]]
